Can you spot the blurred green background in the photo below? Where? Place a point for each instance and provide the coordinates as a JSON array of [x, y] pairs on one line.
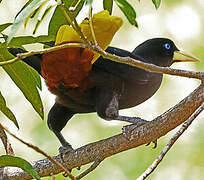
[[181, 21]]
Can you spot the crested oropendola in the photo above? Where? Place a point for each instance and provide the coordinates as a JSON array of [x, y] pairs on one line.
[[104, 87]]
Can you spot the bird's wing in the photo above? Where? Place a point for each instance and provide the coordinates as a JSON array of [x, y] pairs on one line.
[[126, 72]]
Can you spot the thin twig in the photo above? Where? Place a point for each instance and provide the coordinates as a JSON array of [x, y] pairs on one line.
[[91, 26], [47, 50], [75, 25], [78, 30], [105, 148], [184, 127], [41, 152], [61, 6], [126, 60], [6, 143], [90, 169], [150, 67]]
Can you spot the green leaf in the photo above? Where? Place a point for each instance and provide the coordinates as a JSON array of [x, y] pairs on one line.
[[68, 3], [128, 11], [26, 78], [108, 5], [57, 20], [6, 111], [73, 3], [89, 2], [22, 16], [35, 76], [24, 7], [156, 3], [4, 26], [17, 42], [42, 18], [7, 160], [78, 7]]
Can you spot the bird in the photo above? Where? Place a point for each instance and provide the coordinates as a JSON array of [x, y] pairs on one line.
[[109, 86]]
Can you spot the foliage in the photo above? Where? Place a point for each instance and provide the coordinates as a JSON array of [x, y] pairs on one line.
[[6, 160], [26, 78]]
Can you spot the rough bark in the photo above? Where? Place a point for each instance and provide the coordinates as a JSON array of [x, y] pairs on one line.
[[131, 137]]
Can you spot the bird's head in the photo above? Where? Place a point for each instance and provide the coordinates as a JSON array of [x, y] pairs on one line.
[[161, 52]]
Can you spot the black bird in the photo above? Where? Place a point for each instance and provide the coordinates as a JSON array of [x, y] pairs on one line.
[[112, 86]]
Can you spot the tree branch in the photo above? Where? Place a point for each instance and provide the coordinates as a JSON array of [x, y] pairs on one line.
[[126, 60], [184, 127], [37, 149], [130, 138], [7, 146]]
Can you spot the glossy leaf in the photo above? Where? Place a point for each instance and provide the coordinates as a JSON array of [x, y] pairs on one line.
[[89, 2], [128, 11], [17, 42], [73, 3], [68, 3], [78, 7], [42, 18], [108, 5], [105, 27], [156, 3], [57, 20], [25, 5], [22, 16], [6, 111], [4, 26], [7, 160], [26, 78]]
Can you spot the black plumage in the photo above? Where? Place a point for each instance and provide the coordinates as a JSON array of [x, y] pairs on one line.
[[114, 85]]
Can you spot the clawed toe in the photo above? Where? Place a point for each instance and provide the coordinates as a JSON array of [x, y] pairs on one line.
[[154, 142], [65, 149]]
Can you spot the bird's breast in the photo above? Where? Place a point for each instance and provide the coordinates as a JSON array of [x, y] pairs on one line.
[[135, 93]]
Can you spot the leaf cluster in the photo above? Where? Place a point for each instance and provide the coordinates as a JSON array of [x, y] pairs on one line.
[[25, 77]]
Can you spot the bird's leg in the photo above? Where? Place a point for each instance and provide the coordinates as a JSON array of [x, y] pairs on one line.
[[107, 106], [134, 120], [57, 118]]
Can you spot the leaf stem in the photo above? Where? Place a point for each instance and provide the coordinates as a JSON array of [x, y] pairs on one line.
[[126, 60], [91, 26], [37, 149], [75, 25], [31, 53], [184, 127]]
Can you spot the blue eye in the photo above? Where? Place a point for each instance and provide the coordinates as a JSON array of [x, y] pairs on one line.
[[167, 46]]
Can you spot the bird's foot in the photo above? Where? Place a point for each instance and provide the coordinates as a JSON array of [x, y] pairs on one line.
[[66, 148], [154, 142], [134, 120]]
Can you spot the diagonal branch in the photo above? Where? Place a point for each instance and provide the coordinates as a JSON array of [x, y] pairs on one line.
[[184, 127], [7, 146], [90, 169], [56, 163], [126, 60], [118, 143]]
